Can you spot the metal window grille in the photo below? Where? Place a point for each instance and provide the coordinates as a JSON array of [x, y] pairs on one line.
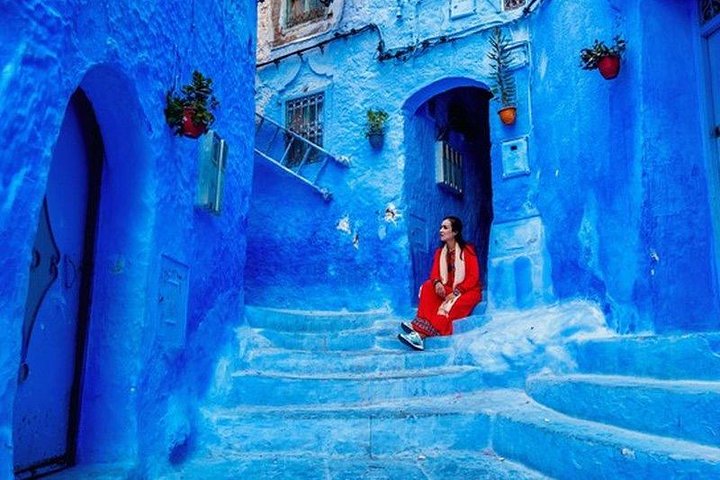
[[449, 167], [302, 11], [304, 116], [513, 4], [709, 9]]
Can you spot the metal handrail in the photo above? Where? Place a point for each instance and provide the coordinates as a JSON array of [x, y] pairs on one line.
[[273, 122], [294, 153]]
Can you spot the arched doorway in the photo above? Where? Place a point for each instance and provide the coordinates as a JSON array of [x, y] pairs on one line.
[[447, 168], [45, 422]]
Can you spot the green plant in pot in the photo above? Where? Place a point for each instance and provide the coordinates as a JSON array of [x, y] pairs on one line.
[[605, 58], [189, 112], [503, 86], [375, 127]]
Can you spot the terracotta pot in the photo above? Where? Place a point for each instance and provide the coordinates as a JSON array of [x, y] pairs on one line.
[[508, 115], [609, 66], [376, 140], [191, 129]]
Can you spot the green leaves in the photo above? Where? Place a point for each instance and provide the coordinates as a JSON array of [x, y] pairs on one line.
[[503, 87], [589, 57], [196, 96], [376, 120]]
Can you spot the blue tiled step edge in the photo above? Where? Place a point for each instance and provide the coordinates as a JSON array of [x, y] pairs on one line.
[[311, 320], [364, 361], [570, 448], [282, 388], [359, 339], [676, 408], [306, 466], [695, 356], [401, 426]]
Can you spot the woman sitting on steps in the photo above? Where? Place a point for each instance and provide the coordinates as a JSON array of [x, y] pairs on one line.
[[452, 291]]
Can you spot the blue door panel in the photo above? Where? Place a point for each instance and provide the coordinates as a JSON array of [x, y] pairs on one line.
[[42, 403]]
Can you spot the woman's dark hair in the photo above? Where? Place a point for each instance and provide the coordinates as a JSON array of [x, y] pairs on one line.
[[457, 226]]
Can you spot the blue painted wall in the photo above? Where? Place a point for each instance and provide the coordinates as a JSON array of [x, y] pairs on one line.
[[139, 394], [613, 205]]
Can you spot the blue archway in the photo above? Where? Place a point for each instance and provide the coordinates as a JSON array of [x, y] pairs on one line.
[[447, 167]]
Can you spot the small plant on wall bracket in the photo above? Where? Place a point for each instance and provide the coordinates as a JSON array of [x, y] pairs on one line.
[[605, 59], [375, 127], [190, 111], [503, 86]]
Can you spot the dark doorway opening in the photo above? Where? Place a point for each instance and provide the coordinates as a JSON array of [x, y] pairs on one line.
[[448, 172]]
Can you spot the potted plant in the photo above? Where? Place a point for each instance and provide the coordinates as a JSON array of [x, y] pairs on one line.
[[604, 58], [375, 127], [189, 112], [503, 86]]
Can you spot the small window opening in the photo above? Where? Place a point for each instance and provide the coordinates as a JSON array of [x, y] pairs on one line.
[[513, 4], [303, 11], [304, 116], [449, 167]]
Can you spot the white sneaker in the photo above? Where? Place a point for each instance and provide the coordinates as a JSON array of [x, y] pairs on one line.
[[412, 340], [407, 326]]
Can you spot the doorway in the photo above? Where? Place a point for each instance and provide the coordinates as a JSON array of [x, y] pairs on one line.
[[47, 403], [448, 171]]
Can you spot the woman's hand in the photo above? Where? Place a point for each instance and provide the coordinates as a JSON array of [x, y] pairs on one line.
[[440, 289]]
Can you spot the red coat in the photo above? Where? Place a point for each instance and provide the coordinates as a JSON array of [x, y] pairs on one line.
[[431, 322]]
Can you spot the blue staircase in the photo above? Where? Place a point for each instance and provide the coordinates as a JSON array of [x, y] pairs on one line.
[[333, 395]]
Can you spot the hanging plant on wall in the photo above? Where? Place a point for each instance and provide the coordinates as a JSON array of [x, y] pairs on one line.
[[605, 59], [503, 86], [189, 112], [375, 127]]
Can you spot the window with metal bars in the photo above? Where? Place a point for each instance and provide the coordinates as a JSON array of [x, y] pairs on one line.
[[302, 11], [513, 4], [304, 116], [709, 9], [448, 167]]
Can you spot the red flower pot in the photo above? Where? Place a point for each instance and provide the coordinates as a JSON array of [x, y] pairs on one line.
[[190, 128], [609, 66]]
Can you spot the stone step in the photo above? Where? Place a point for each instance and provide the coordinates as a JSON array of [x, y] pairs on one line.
[[676, 408], [348, 340], [695, 356], [366, 361], [396, 432], [397, 427], [570, 448], [306, 466], [311, 320], [297, 388]]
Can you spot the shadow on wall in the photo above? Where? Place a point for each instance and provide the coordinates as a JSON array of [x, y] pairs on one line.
[[122, 263]]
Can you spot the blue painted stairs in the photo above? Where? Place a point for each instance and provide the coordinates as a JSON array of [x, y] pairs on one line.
[[639, 407], [340, 387], [323, 389]]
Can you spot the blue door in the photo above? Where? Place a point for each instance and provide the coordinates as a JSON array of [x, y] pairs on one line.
[[47, 399]]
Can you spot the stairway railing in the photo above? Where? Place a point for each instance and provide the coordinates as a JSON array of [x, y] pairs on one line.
[[290, 151]]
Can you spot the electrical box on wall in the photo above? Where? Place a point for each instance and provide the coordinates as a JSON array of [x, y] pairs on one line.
[[172, 302], [461, 8], [213, 155], [515, 157]]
